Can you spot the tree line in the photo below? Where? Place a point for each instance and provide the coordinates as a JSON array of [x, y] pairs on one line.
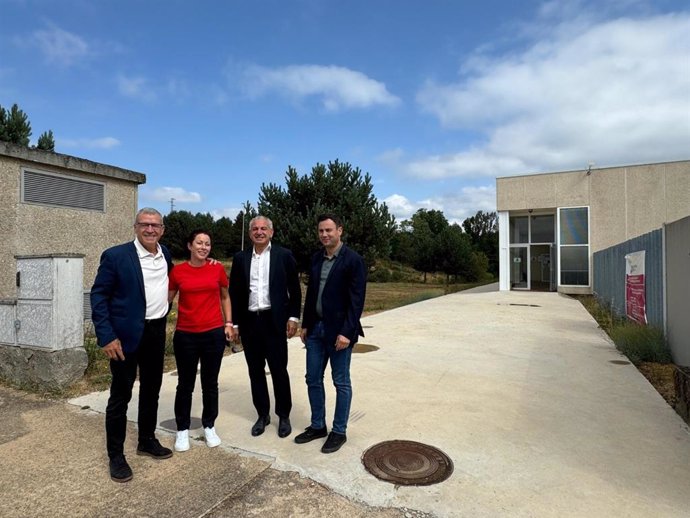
[[426, 242]]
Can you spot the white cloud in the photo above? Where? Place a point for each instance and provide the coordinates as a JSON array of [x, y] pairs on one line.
[[59, 46], [230, 213], [178, 193], [84, 143], [337, 88], [136, 88], [456, 206], [613, 92]]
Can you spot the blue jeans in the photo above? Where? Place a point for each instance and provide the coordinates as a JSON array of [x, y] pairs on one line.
[[318, 354]]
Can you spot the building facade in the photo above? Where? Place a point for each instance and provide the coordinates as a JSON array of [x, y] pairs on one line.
[[552, 224], [52, 203]]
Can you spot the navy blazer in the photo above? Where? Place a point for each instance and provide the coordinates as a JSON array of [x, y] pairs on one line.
[[118, 300], [283, 287], [342, 300]]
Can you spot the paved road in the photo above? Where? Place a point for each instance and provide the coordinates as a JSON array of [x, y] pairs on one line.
[[519, 389]]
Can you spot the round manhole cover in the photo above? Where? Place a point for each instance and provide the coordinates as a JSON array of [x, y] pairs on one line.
[[407, 463]]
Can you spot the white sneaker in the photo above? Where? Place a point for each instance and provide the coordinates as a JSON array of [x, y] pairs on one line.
[[182, 440], [212, 439]]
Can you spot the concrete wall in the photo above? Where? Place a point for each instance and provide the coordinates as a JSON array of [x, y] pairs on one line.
[[678, 289], [27, 229], [624, 202]]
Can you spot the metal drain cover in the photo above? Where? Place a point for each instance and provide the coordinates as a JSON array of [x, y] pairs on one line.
[[364, 348], [407, 463], [619, 362]]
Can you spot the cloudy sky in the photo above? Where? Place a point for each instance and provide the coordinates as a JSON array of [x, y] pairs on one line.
[[433, 98]]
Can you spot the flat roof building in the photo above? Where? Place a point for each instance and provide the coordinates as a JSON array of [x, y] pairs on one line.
[[551, 224], [52, 203]]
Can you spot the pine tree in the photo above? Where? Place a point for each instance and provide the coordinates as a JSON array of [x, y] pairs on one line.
[[15, 126], [46, 141]]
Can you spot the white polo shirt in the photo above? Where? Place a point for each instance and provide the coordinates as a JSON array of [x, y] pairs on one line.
[[155, 270]]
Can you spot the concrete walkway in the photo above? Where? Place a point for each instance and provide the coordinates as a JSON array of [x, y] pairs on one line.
[[518, 389]]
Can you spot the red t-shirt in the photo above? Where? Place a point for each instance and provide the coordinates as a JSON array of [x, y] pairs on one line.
[[198, 307]]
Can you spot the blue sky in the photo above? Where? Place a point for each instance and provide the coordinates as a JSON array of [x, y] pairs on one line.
[[434, 98]]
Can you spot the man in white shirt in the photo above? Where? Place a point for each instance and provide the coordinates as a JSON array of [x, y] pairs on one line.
[[266, 300], [129, 302]]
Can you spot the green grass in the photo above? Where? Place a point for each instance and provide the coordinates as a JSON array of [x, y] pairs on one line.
[[641, 343]]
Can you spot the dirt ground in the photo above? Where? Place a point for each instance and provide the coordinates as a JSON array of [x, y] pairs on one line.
[[661, 377]]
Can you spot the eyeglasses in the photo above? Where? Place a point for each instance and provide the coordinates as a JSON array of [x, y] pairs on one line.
[[154, 226]]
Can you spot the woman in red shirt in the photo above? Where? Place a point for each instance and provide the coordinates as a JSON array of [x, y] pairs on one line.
[[204, 324]]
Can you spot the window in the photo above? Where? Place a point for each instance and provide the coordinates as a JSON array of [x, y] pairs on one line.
[[519, 230], [574, 246], [62, 191], [542, 229]]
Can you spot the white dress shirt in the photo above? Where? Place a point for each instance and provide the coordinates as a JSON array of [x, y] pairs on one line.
[[259, 298]]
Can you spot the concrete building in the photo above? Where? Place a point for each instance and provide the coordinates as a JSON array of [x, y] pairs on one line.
[[52, 203], [552, 224]]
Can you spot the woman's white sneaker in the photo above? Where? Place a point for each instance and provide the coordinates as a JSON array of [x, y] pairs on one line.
[[212, 439], [182, 440]]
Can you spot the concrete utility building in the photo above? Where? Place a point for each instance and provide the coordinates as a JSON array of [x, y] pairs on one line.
[[583, 232], [52, 203], [552, 224]]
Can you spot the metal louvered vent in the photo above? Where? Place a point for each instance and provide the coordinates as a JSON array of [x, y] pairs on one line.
[[62, 191]]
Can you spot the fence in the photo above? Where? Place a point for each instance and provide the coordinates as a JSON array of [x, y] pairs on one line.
[[667, 253], [609, 275]]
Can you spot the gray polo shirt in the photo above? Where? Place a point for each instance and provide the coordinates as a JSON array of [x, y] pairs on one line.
[[326, 267]]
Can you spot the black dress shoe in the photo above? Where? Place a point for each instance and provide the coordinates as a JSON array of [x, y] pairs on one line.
[[260, 425], [309, 434], [284, 427], [120, 470], [153, 448], [334, 442]]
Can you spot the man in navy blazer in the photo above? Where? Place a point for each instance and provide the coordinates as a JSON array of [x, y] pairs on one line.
[[129, 304], [266, 298], [330, 329]]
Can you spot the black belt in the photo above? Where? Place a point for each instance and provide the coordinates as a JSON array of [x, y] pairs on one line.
[[154, 320], [260, 312]]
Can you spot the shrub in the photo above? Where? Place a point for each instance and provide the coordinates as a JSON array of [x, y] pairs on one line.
[[641, 343], [379, 275]]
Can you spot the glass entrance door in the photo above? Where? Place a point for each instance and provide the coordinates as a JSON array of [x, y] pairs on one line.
[[519, 271]]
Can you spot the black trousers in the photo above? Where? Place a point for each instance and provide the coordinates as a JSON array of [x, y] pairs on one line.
[[148, 358], [262, 344], [190, 350]]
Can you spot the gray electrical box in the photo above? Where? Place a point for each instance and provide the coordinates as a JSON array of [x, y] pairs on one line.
[[50, 305]]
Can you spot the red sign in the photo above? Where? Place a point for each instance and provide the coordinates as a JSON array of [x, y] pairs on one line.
[[635, 305]]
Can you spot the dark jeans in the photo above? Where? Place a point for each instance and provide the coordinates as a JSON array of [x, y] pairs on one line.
[[190, 350], [319, 353], [149, 359], [263, 343]]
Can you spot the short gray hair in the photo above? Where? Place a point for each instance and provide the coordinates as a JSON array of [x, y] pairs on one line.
[[257, 218], [147, 210]]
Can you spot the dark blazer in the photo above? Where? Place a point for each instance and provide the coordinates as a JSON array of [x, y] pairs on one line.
[[343, 295], [118, 301], [283, 287]]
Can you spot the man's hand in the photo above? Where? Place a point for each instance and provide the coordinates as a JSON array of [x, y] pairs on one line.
[[291, 328], [114, 350], [341, 343], [303, 335]]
